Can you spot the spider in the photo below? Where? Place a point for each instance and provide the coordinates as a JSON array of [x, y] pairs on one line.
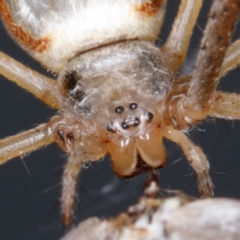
[[117, 93]]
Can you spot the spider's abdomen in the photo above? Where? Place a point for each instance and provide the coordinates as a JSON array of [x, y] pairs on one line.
[[56, 30], [119, 91]]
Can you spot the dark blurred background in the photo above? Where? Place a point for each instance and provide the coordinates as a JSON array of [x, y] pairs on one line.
[[29, 203]]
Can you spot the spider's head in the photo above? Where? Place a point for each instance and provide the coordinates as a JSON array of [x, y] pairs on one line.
[[135, 140], [118, 91]]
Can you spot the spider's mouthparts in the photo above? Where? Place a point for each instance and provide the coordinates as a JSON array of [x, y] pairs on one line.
[[125, 151]]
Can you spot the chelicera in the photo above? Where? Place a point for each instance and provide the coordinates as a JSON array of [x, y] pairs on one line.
[[121, 95]]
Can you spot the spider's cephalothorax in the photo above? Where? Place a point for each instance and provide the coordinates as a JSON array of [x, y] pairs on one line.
[[118, 94]]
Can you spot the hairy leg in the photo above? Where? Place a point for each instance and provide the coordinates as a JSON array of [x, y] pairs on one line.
[[231, 59], [25, 142], [190, 99], [217, 35], [177, 43], [71, 172], [225, 105], [196, 158], [40, 86]]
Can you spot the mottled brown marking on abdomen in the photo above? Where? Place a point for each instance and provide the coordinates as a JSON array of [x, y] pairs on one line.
[[18, 32], [150, 7]]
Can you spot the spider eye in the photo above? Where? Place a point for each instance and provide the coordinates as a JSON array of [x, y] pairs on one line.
[[136, 121], [149, 116], [133, 106], [119, 109], [111, 128], [125, 125], [72, 86]]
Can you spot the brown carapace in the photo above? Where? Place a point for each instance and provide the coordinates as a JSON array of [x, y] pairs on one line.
[[123, 97]]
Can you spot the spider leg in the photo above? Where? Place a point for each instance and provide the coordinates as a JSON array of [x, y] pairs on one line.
[[71, 172], [205, 77], [196, 158], [225, 105], [231, 59], [40, 86], [178, 40], [25, 142]]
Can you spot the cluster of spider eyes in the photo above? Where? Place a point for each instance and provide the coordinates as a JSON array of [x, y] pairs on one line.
[[129, 122]]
